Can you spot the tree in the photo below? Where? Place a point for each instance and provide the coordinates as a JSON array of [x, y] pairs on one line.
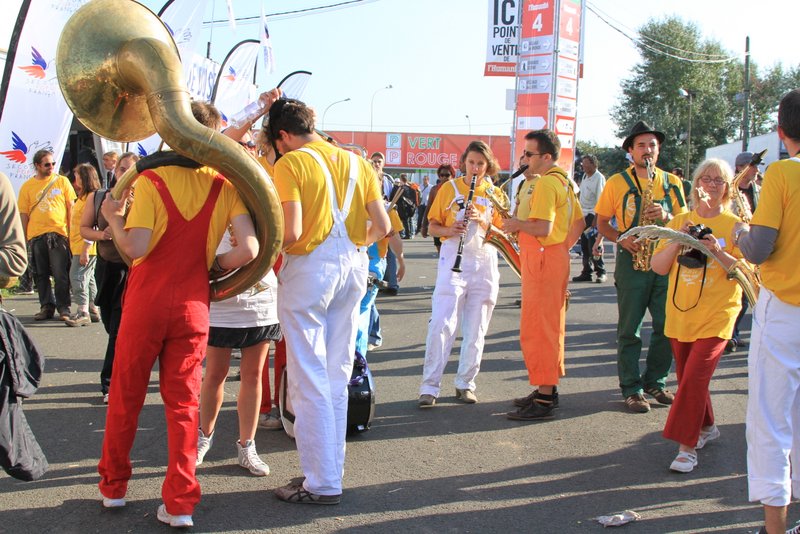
[[652, 92], [610, 160]]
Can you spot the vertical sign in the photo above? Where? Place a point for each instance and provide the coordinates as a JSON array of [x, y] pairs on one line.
[[567, 74], [35, 115], [547, 73], [502, 41]]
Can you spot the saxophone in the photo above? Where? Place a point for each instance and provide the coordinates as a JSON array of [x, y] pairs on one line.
[[746, 275], [641, 258], [505, 243]]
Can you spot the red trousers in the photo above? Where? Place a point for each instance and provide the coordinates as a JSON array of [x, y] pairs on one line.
[[164, 317], [691, 410], [545, 273]]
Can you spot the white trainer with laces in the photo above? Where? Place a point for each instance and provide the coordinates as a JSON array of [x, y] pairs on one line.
[[203, 445], [175, 521], [706, 436], [250, 460], [269, 422]]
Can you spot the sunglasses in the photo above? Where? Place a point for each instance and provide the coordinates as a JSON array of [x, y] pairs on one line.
[[531, 154], [48, 165], [445, 174]]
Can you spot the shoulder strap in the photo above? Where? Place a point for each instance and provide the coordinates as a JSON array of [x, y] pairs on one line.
[[44, 193], [637, 198], [99, 196]]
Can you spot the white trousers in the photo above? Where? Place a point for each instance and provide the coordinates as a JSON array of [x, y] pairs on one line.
[[466, 298], [773, 406], [318, 310]]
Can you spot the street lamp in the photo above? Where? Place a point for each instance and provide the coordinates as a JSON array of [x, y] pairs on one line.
[[689, 95], [329, 107], [469, 125], [372, 104]]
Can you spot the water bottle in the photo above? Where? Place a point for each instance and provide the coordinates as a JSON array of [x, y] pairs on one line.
[[248, 115]]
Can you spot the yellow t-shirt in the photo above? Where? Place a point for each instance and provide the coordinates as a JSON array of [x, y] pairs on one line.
[[76, 242], [444, 210], [554, 200], [716, 309], [49, 215], [189, 189], [523, 199], [299, 178], [610, 202], [397, 226], [779, 208]]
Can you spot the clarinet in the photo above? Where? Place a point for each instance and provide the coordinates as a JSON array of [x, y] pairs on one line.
[[457, 264]]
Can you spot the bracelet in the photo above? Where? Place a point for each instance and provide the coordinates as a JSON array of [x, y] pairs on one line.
[[216, 266], [736, 235]]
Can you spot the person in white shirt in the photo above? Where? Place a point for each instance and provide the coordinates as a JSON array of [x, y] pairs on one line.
[[424, 194], [591, 241]]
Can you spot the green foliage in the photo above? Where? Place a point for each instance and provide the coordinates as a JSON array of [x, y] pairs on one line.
[[652, 94], [610, 160]]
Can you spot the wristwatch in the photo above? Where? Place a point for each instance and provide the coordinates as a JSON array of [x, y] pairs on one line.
[[737, 234]]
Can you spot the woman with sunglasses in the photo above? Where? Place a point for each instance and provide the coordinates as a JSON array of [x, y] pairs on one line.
[[466, 297], [702, 305]]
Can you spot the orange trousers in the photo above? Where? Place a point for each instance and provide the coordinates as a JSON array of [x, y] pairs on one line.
[[545, 272]]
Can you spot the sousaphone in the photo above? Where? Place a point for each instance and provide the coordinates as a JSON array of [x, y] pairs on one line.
[[120, 73]]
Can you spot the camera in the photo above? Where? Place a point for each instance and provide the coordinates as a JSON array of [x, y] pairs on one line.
[[693, 258]]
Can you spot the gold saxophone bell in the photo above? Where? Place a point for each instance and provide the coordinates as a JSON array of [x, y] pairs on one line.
[[505, 243], [120, 73]]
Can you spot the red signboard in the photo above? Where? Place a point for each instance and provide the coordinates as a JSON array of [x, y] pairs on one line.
[[423, 151]]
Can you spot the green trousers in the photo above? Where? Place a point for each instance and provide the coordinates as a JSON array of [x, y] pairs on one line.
[[638, 292]]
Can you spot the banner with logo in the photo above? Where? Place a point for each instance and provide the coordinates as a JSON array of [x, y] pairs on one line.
[[35, 114], [235, 83], [423, 151], [184, 19], [503, 38], [548, 71]]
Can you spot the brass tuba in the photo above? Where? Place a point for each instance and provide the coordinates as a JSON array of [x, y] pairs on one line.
[[121, 75]]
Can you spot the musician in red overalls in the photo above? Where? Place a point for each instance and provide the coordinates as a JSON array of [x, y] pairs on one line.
[[172, 232]]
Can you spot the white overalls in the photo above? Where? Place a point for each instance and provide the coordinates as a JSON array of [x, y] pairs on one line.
[[318, 309], [467, 298]]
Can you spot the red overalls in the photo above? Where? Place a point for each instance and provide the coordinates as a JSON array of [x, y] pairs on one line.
[[164, 316]]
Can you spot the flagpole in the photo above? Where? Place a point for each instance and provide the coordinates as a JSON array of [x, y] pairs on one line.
[[11, 55]]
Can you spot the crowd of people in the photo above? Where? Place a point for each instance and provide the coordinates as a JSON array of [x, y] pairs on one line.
[[344, 221]]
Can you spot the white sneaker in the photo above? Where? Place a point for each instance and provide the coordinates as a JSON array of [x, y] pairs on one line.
[[706, 436], [105, 398], [203, 445], [113, 503], [176, 521], [685, 462], [250, 460], [269, 421]]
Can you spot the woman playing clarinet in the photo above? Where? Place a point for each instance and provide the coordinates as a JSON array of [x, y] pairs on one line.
[[467, 279]]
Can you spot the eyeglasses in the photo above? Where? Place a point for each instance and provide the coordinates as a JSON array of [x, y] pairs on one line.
[[445, 174], [708, 179], [531, 154], [249, 144], [48, 164]]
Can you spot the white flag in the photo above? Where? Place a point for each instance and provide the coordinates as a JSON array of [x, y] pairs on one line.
[[235, 87], [266, 45]]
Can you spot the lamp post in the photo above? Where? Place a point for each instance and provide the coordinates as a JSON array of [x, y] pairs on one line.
[[689, 95], [329, 107], [469, 125], [372, 104]]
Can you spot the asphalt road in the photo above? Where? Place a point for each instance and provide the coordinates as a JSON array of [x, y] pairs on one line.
[[453, 468]]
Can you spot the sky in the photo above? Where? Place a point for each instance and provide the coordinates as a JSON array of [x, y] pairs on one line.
[[433, 52]]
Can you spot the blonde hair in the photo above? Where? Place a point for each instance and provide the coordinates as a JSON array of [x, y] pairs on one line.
[[713, 164]]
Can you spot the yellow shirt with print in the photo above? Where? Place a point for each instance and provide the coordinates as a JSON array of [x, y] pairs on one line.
[[779, 208], [49, 215], [610, 202], [299, 178], [444, 211], [189, 189], [76, 242], [397, 226], [554, 200], [691, 316], [523, 198]]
